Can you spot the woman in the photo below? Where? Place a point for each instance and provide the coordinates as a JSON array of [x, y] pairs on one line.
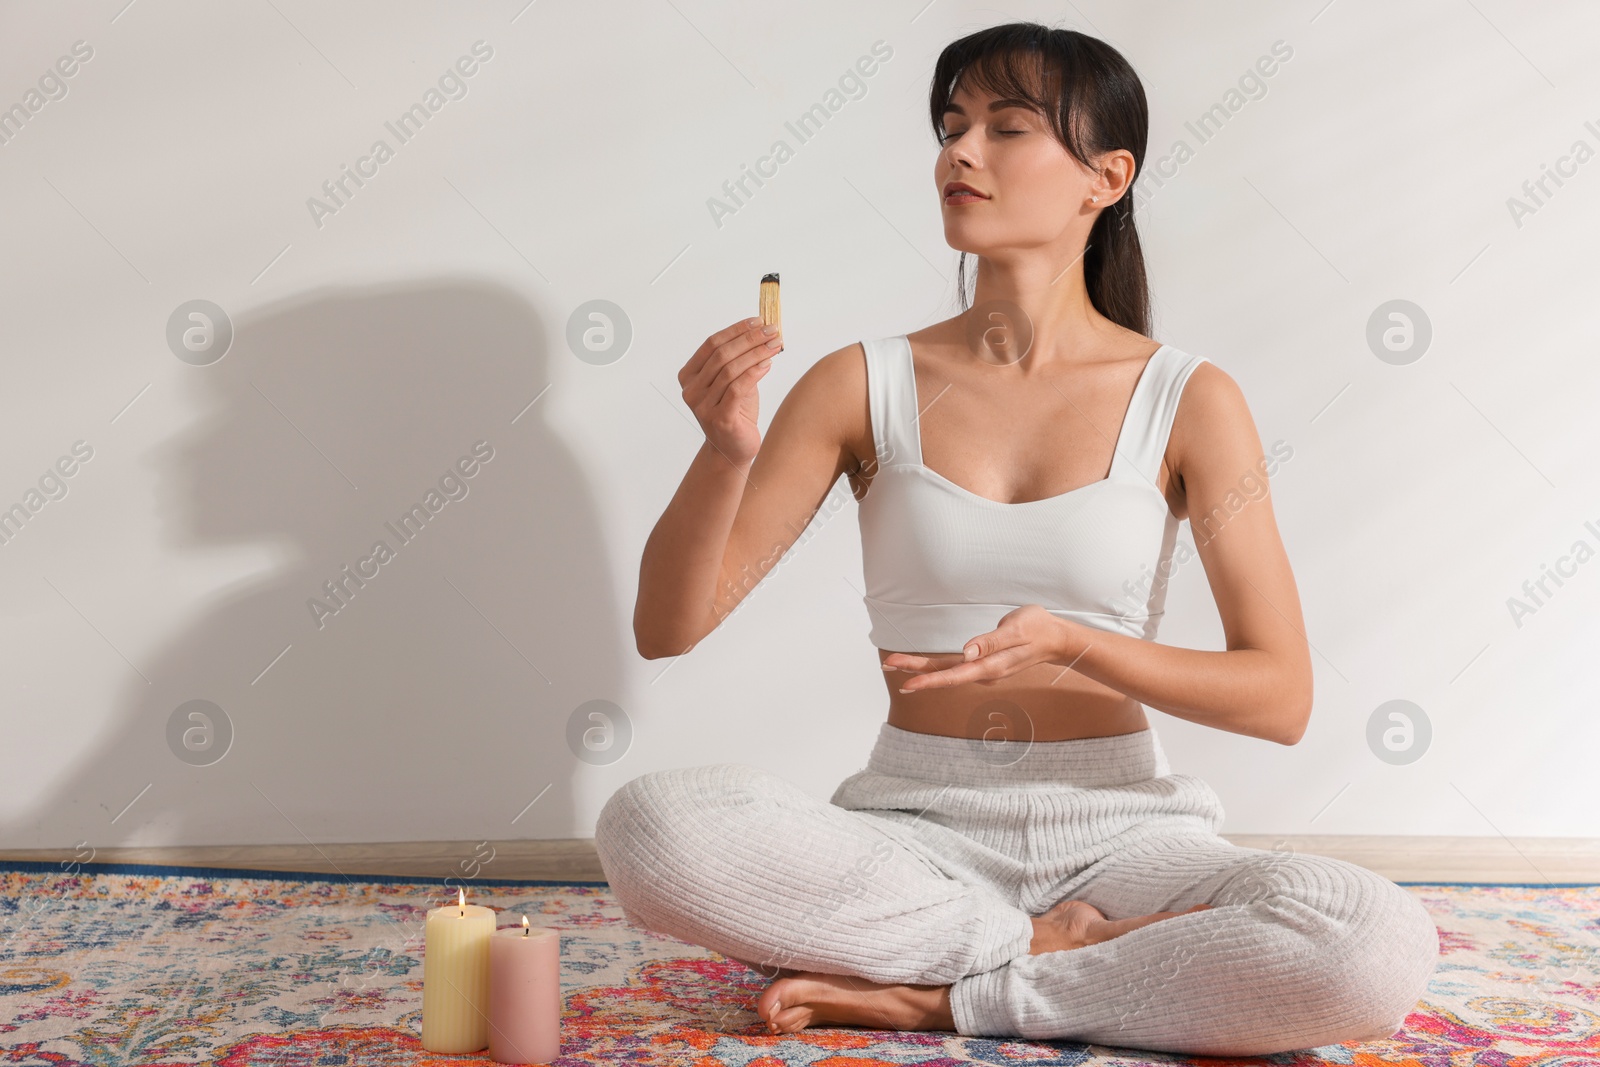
[[1017, 858]]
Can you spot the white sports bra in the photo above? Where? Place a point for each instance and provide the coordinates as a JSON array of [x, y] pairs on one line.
[[943, 565]]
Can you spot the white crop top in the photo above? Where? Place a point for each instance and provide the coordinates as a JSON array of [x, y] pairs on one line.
[[943, 565]]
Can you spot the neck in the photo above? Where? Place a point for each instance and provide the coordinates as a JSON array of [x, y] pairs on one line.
[[1037, 301]]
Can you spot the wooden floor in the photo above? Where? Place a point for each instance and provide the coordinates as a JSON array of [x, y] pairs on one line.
[[1403, 859]]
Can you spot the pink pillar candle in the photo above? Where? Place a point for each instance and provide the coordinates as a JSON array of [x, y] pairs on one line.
[[525, 994]]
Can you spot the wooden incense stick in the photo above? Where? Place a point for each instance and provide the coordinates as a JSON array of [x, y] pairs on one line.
[[770, 312]]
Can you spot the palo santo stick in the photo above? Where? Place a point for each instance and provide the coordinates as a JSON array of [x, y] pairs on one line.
[[770, 312]]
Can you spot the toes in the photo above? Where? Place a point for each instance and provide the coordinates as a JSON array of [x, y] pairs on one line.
[[788, 1020], [777, 1008], [1070, 911], [770, 1002]]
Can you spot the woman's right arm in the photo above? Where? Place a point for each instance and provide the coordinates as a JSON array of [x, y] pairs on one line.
[[743, 501]]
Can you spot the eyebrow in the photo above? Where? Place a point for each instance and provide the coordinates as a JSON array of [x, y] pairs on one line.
[[996, 105]]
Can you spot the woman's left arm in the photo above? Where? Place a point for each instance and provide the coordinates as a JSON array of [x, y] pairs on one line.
[[1261, 685]]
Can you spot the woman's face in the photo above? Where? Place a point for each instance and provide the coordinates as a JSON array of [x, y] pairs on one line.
[[1036, 194]]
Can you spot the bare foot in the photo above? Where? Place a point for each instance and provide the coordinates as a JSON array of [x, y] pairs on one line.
[[1076, 923], [809, 998], [799, 999]]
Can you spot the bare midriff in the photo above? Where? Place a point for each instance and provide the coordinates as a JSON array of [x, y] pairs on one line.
[[1042, 703]]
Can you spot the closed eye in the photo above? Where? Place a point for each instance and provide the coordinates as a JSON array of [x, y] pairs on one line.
[[945, 137]]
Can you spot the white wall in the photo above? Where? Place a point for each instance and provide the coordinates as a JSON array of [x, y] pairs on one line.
[[375, 346]]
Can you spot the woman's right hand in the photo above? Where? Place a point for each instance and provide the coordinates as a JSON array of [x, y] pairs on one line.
[[719, 385]]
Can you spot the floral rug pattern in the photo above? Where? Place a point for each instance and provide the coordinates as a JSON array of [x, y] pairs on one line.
[[112, 965]]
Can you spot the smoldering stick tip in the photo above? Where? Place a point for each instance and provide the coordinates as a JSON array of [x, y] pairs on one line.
[[769, 277]]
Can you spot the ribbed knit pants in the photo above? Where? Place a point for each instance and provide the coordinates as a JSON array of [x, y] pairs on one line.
[[925, 868]]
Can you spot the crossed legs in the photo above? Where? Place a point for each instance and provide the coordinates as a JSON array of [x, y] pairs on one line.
[[843, 908]]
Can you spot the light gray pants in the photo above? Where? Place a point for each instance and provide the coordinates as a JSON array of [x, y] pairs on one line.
[[925, 868]]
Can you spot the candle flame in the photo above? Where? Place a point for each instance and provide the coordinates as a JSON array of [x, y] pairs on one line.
[[461, 897], [524, 926]]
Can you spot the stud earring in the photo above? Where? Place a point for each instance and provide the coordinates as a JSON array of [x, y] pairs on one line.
[[1094, 200]]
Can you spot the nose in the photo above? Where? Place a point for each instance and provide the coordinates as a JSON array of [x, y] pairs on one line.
[[958, 150], [959, 153]]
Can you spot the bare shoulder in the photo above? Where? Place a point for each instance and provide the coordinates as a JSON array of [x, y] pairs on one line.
[[1209, 396], [1213, 431], [838, 373]]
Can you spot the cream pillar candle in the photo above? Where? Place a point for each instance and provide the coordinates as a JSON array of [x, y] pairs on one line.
[[525, 994], [455, 977]]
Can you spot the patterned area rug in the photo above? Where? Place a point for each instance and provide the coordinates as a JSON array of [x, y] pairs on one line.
[[121, 964]]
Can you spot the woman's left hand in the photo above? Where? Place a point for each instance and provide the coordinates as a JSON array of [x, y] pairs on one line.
[[1024, 638]]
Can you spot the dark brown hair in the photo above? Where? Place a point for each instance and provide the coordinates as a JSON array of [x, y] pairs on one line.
[[1094, 103]]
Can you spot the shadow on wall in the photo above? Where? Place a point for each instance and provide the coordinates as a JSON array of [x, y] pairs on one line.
[[434, 702]]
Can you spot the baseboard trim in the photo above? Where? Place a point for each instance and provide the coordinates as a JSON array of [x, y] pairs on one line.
[[1524, 860]]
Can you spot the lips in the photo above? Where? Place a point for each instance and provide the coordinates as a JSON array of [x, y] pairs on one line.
[[961, 192]]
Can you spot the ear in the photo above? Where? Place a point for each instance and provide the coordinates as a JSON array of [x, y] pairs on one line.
[[1116, 175]]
